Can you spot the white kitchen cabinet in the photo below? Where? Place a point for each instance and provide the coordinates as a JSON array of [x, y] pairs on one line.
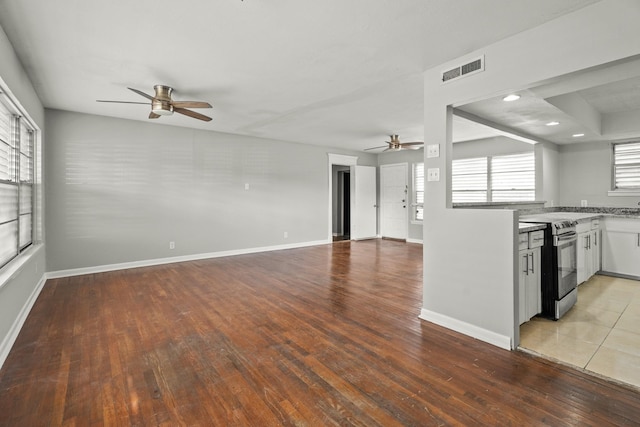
[[621, 246], [588, 256], [530, 302]]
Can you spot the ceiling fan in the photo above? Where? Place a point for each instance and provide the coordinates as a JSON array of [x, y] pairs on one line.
[[396, 145], [163, 105]]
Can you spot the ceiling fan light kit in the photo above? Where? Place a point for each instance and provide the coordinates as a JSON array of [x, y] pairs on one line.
[[395, 145], [163, 105]]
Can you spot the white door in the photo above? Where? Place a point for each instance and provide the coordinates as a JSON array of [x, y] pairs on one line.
[[393, 201], [363, 202]]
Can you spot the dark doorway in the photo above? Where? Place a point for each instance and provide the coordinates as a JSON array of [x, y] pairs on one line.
[[346, 206]]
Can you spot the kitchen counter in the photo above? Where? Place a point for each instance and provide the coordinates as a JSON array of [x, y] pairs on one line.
[[525, 227]]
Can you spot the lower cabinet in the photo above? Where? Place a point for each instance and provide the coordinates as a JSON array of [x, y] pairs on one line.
[[621, 246], [589, 249], [530, 284]]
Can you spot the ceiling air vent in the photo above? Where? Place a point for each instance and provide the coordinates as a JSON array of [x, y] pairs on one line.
[[472, 67]]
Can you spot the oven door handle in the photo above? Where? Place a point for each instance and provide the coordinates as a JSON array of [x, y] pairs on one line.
[[569, 237]]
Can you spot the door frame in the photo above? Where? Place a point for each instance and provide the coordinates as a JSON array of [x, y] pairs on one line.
[[338, 160]]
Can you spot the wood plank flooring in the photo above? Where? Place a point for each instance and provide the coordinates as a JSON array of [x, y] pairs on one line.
[[319, 336]]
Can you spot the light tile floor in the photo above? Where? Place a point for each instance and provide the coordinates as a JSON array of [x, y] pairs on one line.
[[601, 333]]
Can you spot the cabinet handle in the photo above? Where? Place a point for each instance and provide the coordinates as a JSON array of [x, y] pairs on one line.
[[595, 236], [526, 264], [532, 265]]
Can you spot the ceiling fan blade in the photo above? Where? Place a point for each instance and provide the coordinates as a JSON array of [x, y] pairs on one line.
[[407, 144], [153, 115], [191, 104], [124, 102], [141, 93], [192, 114], [376, 148]]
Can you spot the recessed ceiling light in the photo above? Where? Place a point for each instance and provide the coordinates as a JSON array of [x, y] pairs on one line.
[[512, 97], [553, 123], [578, 135]]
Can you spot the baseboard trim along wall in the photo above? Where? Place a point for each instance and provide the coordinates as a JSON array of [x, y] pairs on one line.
[[418, 241], [159, 261], [473, 331], [10, 338]]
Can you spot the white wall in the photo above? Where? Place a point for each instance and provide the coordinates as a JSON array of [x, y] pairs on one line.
[[470, 255], [118, 191], [585, 174], [20, 290], [495, 146]]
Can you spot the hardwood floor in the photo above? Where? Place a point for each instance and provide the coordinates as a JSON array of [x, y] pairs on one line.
[[325, 335]]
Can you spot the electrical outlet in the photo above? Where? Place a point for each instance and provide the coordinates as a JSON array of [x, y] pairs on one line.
[[246, 186], [172, 245], [286, 234], [583, 203], [433, 174]]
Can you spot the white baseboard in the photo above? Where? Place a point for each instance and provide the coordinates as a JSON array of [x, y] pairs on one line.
[[10, 338], [160, 261], [473, 331], [418, 241]]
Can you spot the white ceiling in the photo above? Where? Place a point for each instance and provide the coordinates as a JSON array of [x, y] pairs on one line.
[[602, 104], [331, 72]]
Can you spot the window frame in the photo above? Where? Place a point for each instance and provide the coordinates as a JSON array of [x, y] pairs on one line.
[[614, 189], [20, 157], [489, 188]]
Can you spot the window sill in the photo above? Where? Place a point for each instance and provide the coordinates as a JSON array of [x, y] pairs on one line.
[[623, 193], [11, 270]]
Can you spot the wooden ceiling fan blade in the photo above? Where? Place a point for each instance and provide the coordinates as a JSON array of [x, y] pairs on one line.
[[141, 93], [153, 115], [191, 104], [192, 114], [124, 102], [408, 144]]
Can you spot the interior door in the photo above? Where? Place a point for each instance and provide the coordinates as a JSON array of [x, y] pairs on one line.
[[363, 202], [393, 201]]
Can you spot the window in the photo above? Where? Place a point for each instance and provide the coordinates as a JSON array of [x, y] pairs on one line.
[[469, 180], [494, 179], [16, 182], [418, 191], [626, 166]]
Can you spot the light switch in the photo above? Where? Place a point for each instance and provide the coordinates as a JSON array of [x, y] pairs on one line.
[[246, 186], [433, 174], [433, 150]]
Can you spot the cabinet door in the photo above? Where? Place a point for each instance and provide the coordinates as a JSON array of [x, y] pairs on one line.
[[583, 257], [533, 289], [621, 253], [596, 252], [524, 269]]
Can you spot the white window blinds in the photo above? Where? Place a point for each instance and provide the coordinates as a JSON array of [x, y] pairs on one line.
[[513, 178], [494, 179], [469, 180], [626, 165], [16, 182]]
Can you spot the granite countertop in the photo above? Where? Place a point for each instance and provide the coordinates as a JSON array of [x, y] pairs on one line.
[[581, 214]]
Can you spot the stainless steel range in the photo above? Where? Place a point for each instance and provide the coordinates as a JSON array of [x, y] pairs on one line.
[[559, 266]]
